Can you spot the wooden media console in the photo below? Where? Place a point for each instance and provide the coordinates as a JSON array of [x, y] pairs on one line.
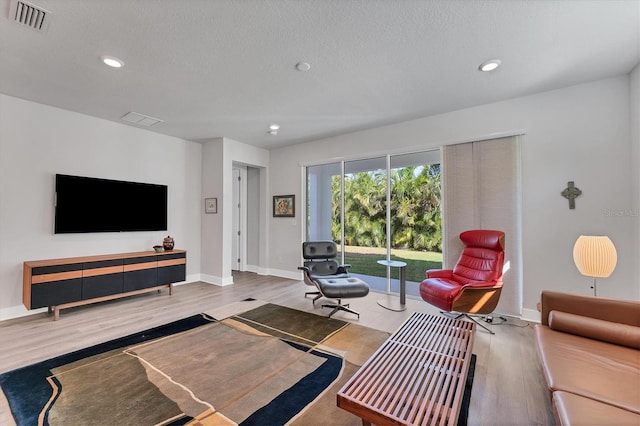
[[65, 283]]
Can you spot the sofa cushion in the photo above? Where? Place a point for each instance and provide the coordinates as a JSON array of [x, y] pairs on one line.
[[598, 370], [578, 410], [606, 331]]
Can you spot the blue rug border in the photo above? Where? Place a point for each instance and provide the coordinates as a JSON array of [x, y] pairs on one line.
[[26, 391], [463, 416], [290, 402]]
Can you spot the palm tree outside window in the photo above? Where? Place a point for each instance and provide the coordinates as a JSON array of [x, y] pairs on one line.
[[379, 208]]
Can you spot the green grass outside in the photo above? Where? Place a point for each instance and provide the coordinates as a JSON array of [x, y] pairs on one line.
[[363, 260]]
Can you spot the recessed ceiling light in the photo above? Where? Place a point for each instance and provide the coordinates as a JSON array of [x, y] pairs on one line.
[[490, 65], [273, 132], [274, 126], [112, 61], [303, 66]]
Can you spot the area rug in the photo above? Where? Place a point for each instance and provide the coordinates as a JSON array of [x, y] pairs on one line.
[[252, 363]]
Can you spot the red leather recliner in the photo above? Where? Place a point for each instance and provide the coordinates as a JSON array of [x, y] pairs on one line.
[[474, 284]]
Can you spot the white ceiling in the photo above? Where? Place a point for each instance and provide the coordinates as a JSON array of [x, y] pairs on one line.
[[212, 68]]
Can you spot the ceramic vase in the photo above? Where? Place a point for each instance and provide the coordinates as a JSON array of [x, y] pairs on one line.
[[168, 243]]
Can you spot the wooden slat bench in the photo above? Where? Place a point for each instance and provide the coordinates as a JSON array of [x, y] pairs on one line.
[[417, 376]]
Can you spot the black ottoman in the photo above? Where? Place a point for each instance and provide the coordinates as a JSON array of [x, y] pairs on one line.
[[342, 288]]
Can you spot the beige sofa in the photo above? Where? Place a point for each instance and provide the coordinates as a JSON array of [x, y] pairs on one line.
[[589, 349]]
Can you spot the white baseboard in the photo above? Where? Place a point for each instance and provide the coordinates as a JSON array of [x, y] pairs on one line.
[[18, 311], [190, 279], [285, 274], [252, 268], [531, 315], [257, 270], [262, 271], [211, 279], [266, 271]]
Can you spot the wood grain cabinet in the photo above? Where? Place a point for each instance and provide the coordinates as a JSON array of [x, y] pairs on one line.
[[64, 283]]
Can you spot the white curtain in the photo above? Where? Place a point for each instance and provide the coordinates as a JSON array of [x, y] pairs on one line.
[[482, 190]]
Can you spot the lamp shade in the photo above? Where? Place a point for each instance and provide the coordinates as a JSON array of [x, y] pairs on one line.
[[595, 256]]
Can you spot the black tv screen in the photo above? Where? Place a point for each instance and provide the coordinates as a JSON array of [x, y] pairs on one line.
[[85, 204]]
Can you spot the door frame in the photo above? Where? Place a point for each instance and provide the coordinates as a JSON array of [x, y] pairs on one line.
[[239, 248]]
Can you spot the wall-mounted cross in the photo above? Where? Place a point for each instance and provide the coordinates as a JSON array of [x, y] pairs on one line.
[[570, 193]]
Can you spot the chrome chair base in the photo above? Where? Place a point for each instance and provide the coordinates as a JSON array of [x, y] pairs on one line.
[[457, 315], [340, 307]]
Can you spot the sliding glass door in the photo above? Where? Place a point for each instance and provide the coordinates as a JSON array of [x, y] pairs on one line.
[[365, 215], [415, 214], [379, 208]]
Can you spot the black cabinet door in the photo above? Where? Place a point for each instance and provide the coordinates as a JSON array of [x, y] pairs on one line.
[[171, 274], [140, 273], [102, 285], [138, 280], [172, 268], [102, 278], [56, 285], [56, 293]]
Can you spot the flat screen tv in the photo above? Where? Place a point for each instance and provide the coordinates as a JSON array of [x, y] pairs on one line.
[[86, 204]]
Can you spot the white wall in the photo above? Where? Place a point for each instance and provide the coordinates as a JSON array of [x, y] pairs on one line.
[[634, 118], [218, 157], [580, 133], [253, 218], [212, 224], [38, 141]]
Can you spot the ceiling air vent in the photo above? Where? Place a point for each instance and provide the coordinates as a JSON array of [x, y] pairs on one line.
[[30, 15], [142, 120]]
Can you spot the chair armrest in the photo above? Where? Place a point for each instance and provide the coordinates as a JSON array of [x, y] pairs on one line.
[[303, 268], [342, 269], [482, 284], [439, 273]]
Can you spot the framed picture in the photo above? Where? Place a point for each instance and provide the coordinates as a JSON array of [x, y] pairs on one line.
[[211, 205], [284, 206]]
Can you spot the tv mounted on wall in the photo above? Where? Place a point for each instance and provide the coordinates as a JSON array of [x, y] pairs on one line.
[[86, 204]]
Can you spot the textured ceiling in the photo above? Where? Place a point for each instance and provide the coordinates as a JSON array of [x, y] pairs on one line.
[[212, 68]]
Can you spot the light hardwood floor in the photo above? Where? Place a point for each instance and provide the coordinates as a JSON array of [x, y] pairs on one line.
[[508, 387]]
